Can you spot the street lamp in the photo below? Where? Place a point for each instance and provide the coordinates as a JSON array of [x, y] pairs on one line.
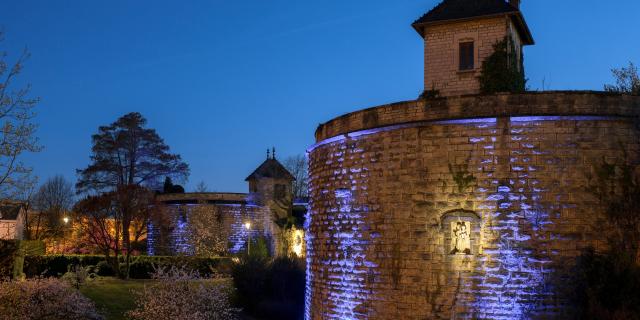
[[64, 233], [247, 226]]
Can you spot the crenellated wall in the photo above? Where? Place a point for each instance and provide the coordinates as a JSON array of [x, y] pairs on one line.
[[458, 208]]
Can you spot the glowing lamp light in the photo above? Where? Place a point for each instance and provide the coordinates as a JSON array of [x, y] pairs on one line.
[[298, 243], [65, 220], [247, 225]]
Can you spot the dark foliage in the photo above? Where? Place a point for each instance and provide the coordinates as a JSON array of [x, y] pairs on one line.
[[8, 253], [169, 187], [12, 256], [127, 153], [429, 94], [141, 268], [627, 80], [271, 289], [127, 160], [605, 286], [104, 269], [501, 71], [249, 280]]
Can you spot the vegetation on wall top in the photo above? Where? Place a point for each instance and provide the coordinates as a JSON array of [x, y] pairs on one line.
[[502, 71], [627, 80]]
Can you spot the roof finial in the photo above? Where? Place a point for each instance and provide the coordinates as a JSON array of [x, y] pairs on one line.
[[268, 154], [273, 154]]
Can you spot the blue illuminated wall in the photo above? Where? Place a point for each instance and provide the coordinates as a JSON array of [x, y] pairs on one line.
[[383, 254], [172, 235]]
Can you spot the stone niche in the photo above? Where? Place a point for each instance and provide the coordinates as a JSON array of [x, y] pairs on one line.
[[413, 240], [462, 238]]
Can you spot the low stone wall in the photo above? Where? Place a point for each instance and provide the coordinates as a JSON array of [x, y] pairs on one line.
[[461, 207], [206, 223]]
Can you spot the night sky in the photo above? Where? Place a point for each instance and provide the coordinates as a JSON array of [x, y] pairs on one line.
[[222, 81]]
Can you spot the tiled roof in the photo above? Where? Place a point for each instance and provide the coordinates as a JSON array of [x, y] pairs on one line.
[[271, 168], [449, 10], [462, 9], [10, 212]]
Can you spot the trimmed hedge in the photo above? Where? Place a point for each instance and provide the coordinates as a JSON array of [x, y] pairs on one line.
[[12, 254], [141, 266], [8, 255]]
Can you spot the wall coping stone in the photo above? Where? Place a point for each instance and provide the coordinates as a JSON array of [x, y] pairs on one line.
[[545, 103]]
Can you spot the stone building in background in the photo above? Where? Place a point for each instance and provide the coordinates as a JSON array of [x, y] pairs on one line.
[[12, 221], [214, 223], [461, 206]]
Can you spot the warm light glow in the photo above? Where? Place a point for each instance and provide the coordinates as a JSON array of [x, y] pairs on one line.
[[66, 220], [247, 225], [297, 240]]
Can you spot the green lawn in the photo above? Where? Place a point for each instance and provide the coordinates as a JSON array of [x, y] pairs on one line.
[[113, 296]]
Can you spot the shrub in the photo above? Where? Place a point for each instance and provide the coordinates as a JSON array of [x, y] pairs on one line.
[[44, 299], [141, 268], [272, 290], [8, 254], [182, 294], [104, 269], [605, 286], [285, 289], [57, 265], [78, 276], [249, 280], [501, 71]]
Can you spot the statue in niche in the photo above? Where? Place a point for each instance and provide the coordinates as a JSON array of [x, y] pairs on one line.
[[460, 242]]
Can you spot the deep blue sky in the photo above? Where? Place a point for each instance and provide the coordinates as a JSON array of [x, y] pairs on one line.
[[223, 80]]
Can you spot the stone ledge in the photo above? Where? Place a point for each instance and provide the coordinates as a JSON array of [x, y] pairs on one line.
[[197, 197], [548, 103]]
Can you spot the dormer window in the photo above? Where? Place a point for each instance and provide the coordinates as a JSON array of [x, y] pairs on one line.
[[466, 56]]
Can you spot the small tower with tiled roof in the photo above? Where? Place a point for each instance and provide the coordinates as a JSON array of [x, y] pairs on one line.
[[459, 35], [271, 181]]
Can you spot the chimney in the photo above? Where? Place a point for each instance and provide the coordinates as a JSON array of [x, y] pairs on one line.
[[515, 3]]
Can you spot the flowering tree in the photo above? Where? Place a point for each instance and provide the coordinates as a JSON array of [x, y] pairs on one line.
[[206, 232], [181, 294], [42, 299]]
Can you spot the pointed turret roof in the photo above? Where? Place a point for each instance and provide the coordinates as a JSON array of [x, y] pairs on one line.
[[271, 168]]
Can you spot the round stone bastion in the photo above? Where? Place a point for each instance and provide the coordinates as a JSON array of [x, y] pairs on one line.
[[461, 207]]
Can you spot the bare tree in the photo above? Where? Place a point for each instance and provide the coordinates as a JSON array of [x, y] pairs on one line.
[[27, 197], [17, 132], [627, 80], [202, 187], [298, 167], [53, 200], [100, 222]]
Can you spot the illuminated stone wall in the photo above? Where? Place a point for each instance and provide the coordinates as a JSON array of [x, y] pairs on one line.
[[172, 235], [393, 188]]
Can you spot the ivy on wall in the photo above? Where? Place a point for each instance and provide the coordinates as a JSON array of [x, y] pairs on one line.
[[502, 71], [461, 176]]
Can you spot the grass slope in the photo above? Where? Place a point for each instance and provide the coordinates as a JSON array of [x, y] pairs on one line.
[[113, 296]]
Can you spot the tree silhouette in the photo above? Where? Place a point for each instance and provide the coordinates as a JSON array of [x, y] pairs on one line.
[[126, 157]]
